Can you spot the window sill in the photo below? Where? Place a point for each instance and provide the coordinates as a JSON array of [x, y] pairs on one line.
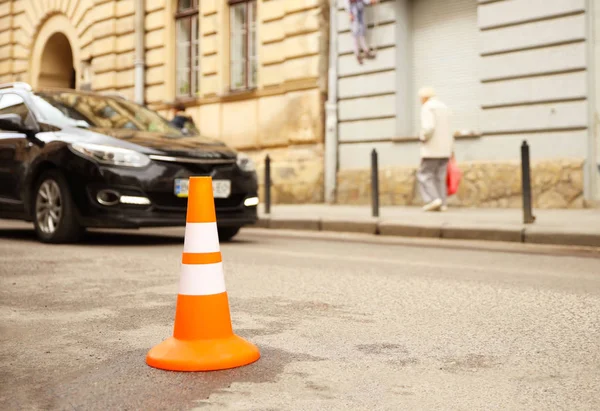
[[186, 100], [232, 95], [229, 95]]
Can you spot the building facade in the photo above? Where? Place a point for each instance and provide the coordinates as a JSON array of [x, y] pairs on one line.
[[278, 77], [252, 73], [510, 70]]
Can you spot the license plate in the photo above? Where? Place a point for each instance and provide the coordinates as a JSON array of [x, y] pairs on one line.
[[221, 188]]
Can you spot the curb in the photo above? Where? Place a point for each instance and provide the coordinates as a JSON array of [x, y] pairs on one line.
[[343, 226], [535, 235], [295, 224], [515, 234], [487, 233], [391, 228]]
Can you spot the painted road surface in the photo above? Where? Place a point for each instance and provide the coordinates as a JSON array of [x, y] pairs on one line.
[[343, 322]]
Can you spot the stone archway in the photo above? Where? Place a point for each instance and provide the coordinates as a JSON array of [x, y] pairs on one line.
[[56, 69], [55, 55]]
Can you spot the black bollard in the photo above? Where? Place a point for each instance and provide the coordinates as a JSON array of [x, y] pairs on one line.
[[528, 217], [268, 185], [374, 184]]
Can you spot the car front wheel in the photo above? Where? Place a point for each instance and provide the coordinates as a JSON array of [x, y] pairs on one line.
[[227, 233], [54, 212]]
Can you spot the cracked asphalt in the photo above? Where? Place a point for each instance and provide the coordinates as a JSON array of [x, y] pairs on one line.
[[342, 322]]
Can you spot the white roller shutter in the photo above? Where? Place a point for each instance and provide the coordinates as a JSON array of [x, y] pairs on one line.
[[445, 56]]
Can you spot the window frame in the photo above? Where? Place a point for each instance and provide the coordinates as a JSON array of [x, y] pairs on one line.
[[249, 63], [192, 13]]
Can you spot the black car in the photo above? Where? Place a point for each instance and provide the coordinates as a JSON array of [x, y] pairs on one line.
[[70, 160]]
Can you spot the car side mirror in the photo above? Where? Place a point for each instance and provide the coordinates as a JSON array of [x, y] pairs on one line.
[[12, 122]]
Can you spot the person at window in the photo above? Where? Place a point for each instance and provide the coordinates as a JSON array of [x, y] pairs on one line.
[[437, 143], [182, 120], [356, 10]]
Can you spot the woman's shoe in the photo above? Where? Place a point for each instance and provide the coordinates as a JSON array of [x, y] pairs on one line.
[[433, 206]]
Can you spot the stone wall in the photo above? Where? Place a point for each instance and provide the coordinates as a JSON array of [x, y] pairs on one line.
[[555, 184], [296, 174], [100, 36]]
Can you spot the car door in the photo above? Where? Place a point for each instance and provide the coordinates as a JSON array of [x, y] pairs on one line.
[[14, 148]]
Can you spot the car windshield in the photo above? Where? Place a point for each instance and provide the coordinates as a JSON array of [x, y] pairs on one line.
[[64, 109]]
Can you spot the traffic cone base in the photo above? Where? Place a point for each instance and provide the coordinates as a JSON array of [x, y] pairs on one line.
[[203, 339], [202, 355]]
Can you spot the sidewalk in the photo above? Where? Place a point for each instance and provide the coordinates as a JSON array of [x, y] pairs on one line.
[[560, 227]]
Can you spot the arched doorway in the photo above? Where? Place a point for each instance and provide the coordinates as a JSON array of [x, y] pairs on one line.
[[55, 55], [56, 68]]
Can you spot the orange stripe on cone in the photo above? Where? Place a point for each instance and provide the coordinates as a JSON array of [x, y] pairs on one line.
[[203, 338], [201, 258]]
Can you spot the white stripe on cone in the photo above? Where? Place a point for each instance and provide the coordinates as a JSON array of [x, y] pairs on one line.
[[202, 279], [201, 238]]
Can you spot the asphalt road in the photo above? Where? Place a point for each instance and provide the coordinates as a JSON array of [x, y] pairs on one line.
[[343, 323]]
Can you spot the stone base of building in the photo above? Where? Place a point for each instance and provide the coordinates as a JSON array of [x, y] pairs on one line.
[[296, 173], [555, 184]]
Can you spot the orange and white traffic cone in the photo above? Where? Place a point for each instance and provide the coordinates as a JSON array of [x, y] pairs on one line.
[[203, 339]]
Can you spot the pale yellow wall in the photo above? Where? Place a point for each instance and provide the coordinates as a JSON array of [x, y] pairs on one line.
[[284, 109], [7, 49], [155, 39], [100, 30]]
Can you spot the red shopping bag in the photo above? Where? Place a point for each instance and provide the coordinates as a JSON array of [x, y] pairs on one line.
[[453, 176]]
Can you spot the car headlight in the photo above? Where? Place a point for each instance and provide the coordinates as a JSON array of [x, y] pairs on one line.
[[245, 163], [111, 155]]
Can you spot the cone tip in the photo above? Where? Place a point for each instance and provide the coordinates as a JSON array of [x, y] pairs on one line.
[[201, 207]]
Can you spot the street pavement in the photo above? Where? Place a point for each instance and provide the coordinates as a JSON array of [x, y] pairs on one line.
[[343, 322]]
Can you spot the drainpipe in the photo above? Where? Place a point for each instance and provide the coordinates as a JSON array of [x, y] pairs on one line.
[[592, 173], [140, 13], [331, 132]]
